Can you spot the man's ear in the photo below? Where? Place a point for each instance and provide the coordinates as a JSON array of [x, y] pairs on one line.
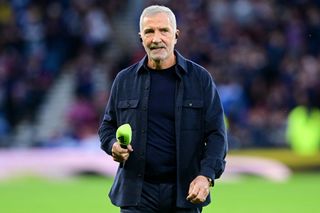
[[139, 34], [177, 33]]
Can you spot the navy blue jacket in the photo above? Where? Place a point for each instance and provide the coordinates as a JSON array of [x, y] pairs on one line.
[[199, 124]]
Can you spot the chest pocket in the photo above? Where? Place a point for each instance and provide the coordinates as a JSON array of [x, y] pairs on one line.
[[192, 114], [128, 104], [128, 112]]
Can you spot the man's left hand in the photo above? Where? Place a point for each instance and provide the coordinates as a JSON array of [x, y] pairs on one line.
[[198, 190]]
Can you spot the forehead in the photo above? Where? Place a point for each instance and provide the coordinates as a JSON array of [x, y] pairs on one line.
[[158, 20]]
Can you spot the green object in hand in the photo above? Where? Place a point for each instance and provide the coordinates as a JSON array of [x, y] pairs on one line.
[[124, 134]]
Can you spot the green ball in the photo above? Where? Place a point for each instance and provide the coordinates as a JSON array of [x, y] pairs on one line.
[[124, 134]]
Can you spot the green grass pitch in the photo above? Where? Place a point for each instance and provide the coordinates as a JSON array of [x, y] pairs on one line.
[[89, 194]]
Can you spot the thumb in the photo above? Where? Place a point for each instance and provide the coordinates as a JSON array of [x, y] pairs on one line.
[[129, 147]]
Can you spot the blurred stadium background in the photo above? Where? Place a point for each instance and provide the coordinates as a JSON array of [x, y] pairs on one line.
[[58, 59]]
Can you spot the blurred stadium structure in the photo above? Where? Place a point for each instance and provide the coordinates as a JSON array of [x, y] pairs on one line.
[[58, 59]]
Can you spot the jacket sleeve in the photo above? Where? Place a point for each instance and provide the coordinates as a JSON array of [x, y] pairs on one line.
[[216, 145], [107, 129]]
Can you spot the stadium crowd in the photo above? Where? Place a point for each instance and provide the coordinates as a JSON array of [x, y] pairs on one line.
[[263, 54]]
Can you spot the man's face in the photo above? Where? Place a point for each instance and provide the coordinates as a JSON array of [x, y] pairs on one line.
[[158, 37]]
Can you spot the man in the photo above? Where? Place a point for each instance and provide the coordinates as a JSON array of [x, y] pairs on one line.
[[178, 134]]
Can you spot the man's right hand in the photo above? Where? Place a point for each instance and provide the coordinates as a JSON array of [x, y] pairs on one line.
[[120, 154]]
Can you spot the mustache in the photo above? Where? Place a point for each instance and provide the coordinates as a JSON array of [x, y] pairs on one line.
[[156, 46]]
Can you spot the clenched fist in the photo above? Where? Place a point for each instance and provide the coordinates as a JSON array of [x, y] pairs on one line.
[[120, 154]]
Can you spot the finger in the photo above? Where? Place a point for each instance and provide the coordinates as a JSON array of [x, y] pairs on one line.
[[116, 159], [121, 150], [202, 195], [195, 200], [120, 157], [116, 149], [125, 156], [193, 194], [198, 195], [200, 198]]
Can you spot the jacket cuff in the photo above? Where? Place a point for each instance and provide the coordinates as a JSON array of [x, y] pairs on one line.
[[208, 175], [213, 171], [108, 147]]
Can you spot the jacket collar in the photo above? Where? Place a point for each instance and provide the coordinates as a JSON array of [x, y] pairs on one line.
[[181, 62]]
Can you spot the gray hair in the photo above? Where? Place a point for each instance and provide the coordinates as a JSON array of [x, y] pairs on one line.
[[154, 9]]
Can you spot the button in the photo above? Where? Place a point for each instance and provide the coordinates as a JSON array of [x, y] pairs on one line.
[[190, 104], [139, 175], [144, 108], [143, 131]]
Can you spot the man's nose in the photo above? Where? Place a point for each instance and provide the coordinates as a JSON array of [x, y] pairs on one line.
[[157, 37]]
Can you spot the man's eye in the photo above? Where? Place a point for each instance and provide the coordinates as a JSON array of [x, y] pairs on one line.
[[148, 32]]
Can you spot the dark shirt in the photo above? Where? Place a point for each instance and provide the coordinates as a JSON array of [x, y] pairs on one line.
[[161, 146]]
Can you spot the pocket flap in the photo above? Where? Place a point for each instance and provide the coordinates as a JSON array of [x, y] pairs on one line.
[[128, 104], [193, 103]]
